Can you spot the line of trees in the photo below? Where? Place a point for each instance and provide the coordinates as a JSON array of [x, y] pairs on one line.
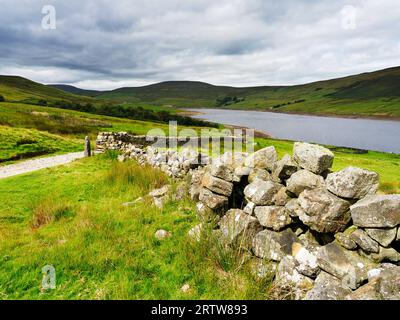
[[135, 113]]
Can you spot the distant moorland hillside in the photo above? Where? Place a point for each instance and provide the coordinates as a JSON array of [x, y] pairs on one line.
[[368, 94]]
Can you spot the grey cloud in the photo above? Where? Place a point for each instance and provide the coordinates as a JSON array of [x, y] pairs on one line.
[[106, 44]]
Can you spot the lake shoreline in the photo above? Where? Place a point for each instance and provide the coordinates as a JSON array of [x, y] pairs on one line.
[[349, 132], [188, 112]]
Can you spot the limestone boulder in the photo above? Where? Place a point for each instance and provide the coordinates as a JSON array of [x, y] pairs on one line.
[[389, 286], [289, 283], [384, 254], [217, 185], [249, 208], [260, 174], [369, 291], [284, 168], [293, 207], [323, 211], [364, 241], [328, 287], [281, 198], [378, 211], [303, 180], [262, 192], [212, 200], [344, 264], [262, 159], [345, 241], [222, 171], [272, 217], [354, 183], [238, 227], [314, 158], [272, 245], [233, 160], [384, 236], [306, 259]]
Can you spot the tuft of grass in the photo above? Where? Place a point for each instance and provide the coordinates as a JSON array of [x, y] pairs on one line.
[[49, 210], [122, 174]]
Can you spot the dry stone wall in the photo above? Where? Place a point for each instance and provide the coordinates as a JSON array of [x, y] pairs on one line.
[[326, 235]]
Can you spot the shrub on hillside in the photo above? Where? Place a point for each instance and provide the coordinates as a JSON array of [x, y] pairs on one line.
[[2, 99]]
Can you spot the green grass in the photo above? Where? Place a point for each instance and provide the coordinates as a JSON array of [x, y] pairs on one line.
[[18, 143], [71, 217], [63, 129]]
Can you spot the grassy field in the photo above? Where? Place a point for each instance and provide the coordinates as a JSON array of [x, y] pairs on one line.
[[18, 143], [71, 217], [55, 130]]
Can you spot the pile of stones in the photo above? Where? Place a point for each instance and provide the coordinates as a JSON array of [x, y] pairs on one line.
[[323, 234], [327, 235], [175, 163]]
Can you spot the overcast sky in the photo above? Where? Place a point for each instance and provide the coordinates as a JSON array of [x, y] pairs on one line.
[[99, 44]]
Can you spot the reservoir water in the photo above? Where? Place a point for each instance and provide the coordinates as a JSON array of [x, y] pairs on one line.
[[370, 134]]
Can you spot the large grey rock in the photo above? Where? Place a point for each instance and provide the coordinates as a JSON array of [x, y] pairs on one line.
[[345, 241], [312, 157], [262, 159], [354, 183], [217, 185], [262, 192], [379, 211], [240, 172], [262, 268], [272, 217], [273, 245], [237, 226], [384, 236], [289, 283], [344, 264], [212, 200], [281, 198], [233, 159], [369, 291], [328, 287], [162, 234], [161, 191], [384, 254], [303, 180], [364, 241], [220, 170], [306, 259], [389, 286], [293, 207], [323, 211], [249, 208], [284, 168], [260, 174]]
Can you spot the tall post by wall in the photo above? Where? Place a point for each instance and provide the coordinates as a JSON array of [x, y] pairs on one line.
[[87, 152]]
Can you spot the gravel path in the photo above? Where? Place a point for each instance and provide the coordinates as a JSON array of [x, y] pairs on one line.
[[37, 164]]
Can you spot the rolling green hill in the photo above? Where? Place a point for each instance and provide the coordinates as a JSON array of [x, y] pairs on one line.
[[368, 94], [75, 90], [374, 94], [18, 89]]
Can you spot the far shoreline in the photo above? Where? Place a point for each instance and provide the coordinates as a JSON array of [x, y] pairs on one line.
[[189, 112]]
